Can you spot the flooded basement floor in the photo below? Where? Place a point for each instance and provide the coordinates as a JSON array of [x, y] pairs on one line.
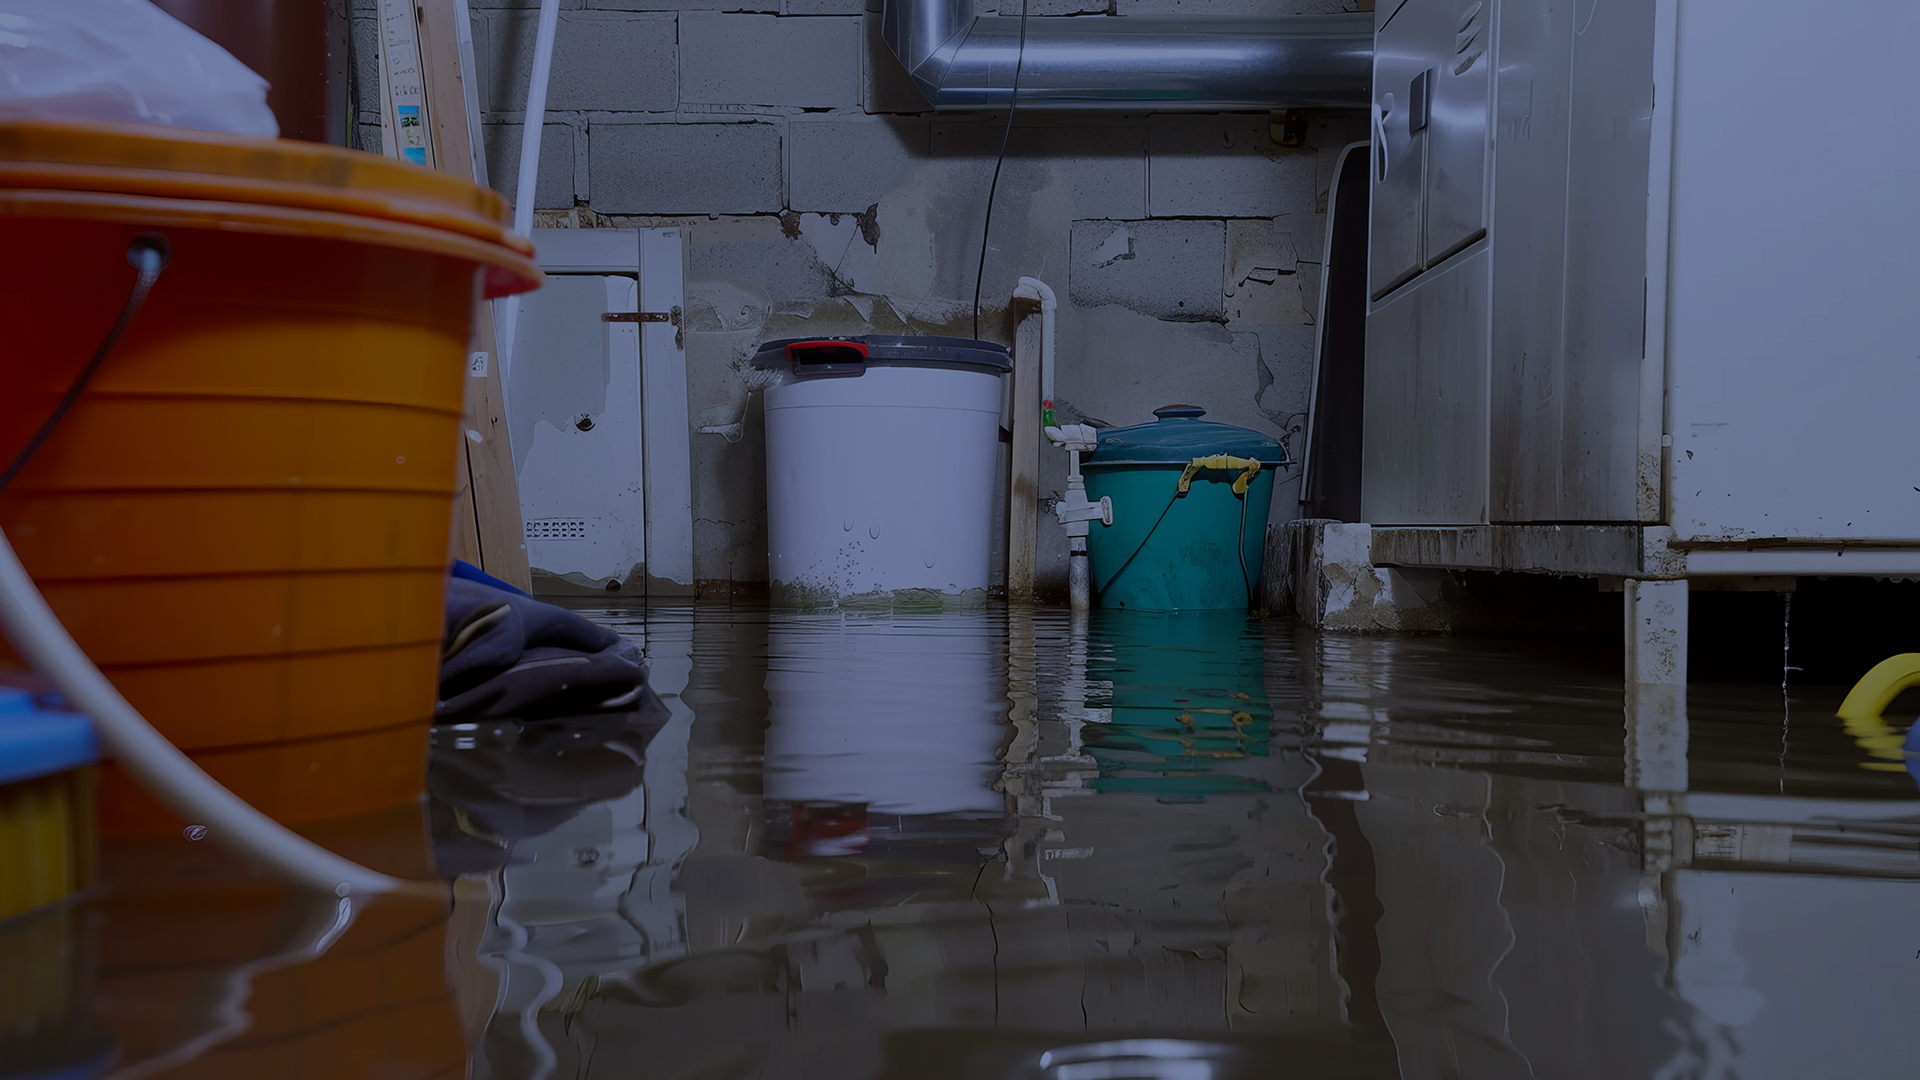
[[1009, 844]]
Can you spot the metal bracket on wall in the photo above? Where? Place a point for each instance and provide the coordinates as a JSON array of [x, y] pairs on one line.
[[642, 316], [649, 317]]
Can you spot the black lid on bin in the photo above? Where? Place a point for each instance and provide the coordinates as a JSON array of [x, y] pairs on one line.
[[842, 355]]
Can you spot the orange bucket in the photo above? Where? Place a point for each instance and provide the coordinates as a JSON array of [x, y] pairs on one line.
[[244, 518]]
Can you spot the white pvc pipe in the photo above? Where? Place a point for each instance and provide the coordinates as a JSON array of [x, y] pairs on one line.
[[507, 311], [1048, 305], [1074, 437], [1079, 582], [40, 639], [536, 117]]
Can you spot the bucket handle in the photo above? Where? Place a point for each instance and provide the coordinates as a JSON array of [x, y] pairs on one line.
[[828, 356], [1222, 461]]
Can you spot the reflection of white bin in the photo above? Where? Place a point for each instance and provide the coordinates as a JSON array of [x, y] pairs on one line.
[[880, 463], [902, 713]]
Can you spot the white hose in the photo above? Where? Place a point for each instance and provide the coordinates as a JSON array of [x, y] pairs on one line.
[[38, 636]]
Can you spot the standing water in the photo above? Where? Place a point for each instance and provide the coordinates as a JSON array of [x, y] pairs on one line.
[[1013, 843]]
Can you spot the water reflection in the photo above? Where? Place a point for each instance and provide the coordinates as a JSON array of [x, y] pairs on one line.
[[563, 854], [186, 963], [885, 714], [1536, 917], [1020, 844], [1188, 703], [1024, 844]]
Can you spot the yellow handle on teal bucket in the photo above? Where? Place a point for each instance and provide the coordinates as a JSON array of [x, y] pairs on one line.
[[1223, 462]]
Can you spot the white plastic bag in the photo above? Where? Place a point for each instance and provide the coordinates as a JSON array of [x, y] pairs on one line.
[[126, 61]]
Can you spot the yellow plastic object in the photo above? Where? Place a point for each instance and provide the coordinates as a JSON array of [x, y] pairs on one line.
[[1860, 712], [46, 840], [46, 1001], [244, 519], [1223, 462]]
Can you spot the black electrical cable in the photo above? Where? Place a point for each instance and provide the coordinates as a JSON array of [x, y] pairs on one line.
[[1240, 547], [986, 230], [149, 254], [1102, 590]]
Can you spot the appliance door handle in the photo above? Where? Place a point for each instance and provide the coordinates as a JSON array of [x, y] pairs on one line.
[[1380, 140]]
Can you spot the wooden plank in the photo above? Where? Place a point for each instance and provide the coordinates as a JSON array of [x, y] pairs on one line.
[[494, 493], [1023, 481], [446, 90], [487, 528], [463, 539]]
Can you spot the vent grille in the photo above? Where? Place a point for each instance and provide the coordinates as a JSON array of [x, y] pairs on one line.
[[557, 529]]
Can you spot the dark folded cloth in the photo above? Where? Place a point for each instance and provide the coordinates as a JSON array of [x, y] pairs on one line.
[[509, 655]]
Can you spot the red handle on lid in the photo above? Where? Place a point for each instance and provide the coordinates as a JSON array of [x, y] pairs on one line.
[[833, 350]]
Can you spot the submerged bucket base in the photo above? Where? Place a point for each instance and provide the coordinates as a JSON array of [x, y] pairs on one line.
[[1200, 557], [781, 594]]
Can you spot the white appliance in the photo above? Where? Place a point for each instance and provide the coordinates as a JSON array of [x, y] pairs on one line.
[[1642, 265]]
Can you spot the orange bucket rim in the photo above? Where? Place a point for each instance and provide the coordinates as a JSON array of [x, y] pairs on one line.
[[506, 273], [164, 164]]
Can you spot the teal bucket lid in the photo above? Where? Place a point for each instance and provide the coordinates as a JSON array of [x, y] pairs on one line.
[[1177, 437]]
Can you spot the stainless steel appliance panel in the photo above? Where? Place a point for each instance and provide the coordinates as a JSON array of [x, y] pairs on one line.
[[1533, 85], [1597, 450], [1458, 147], [1425, 458], [1399, 154]]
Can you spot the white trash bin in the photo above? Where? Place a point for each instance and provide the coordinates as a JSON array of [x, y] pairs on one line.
[[880, 465]]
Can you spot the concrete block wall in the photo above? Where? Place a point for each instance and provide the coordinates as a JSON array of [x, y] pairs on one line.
[[821, 196]]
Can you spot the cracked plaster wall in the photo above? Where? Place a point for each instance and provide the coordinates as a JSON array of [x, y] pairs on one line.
[[1185, 249]]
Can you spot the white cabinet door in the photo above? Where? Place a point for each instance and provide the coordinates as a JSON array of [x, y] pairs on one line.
[[1399, 153], [1460, 42], [574, 411], [666, 447]]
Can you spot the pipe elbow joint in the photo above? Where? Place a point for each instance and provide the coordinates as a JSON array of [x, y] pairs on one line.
[[1032, 288]]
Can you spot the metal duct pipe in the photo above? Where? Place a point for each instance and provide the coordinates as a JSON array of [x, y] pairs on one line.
[[1158, 61]]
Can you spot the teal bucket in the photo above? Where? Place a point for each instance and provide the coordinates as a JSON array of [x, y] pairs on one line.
[[1174, 550]]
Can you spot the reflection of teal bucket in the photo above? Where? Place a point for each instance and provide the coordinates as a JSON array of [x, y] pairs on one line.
[[1190, 711], [1173, 551]]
